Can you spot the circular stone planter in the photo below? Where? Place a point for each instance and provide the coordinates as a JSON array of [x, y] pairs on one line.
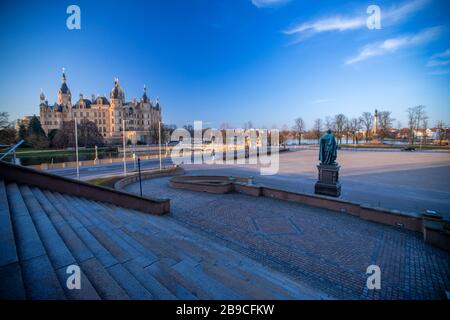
[[211, 184]]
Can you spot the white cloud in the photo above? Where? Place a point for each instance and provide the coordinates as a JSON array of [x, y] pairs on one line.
[[439, 72], [437, 63], [268, 3], [340, 23], [394, 44], [439, 59], [445, 54], [319, 101]]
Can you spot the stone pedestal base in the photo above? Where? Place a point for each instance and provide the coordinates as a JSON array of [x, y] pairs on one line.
[[328, 183]]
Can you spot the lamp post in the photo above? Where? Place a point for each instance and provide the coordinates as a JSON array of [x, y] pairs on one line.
[[76, 149], [124, 150], [139, 169], [160, 161]]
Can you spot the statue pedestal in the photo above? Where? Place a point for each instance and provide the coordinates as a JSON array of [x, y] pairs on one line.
[[328, 183]]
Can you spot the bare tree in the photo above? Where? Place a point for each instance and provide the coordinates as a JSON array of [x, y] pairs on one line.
[[88, 135], [347, 130], [299, 128], [339, 123], [366, 121], [224, 126], [417, 119], [385, 124], [248, 125], [329, 123], [441, 131], [317, 129], [354, 126], [284, 134], [7, 132], [4, 120]]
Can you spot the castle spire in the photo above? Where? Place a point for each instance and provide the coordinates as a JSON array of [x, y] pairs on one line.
[[42, 96], [144, 95]]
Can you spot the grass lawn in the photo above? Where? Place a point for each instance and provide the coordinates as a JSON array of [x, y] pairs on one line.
[[105, 182], [27, 152]]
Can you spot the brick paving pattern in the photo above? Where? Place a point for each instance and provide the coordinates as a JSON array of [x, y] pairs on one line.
[[325, 250]]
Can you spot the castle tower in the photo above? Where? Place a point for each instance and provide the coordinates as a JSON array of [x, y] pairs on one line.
[[43, 104], [117, 99], [144, 98], [64, 94], [375, 123]]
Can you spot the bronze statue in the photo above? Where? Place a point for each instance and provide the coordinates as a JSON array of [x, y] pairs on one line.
[[328, 149]]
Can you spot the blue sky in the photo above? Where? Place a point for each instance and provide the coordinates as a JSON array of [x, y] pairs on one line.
[[268, 61]]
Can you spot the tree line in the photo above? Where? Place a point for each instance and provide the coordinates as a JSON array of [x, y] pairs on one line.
[[34, 135], [361, 128]]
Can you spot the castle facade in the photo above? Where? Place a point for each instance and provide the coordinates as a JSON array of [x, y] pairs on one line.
[[112, 117]]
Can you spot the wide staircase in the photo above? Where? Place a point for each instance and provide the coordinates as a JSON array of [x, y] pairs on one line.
[[122, 254]]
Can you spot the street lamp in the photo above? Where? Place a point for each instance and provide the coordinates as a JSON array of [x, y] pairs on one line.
[[76, 149], [124, 150], [160, 161]]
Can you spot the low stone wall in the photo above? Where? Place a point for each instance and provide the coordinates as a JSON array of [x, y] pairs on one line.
[[23, 175], [434, 232], [72, 164], [150, 174], [437, 232]]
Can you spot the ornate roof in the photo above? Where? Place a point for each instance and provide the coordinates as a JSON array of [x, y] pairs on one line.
[[117, 91], [144, 95], [64, 88]]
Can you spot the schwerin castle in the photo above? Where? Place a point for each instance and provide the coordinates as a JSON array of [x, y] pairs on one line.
[[109, 116]]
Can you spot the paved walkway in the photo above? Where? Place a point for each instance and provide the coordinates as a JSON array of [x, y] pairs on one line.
[[325, 250], [410, 182]]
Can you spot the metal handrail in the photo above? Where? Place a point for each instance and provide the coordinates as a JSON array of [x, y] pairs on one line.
[[12, 149]]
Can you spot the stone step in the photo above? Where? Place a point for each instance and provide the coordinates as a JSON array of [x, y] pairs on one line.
[[153, 247], [103, 282], [27, 240], [97, 249], [11, 284], [122, 240], [39, 277], [7, 243], [106, 211], [239, 284], [158, 290], [129, 283], [136, 258], [95, 267], [198, 246], [75, 246], [160, 244], [192, 249], [214, 288], [56, 249], [153, 243], [159, 271], [118, 247]]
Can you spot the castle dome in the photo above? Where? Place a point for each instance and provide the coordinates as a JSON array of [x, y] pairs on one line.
[[64, 88], [117, 91]]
